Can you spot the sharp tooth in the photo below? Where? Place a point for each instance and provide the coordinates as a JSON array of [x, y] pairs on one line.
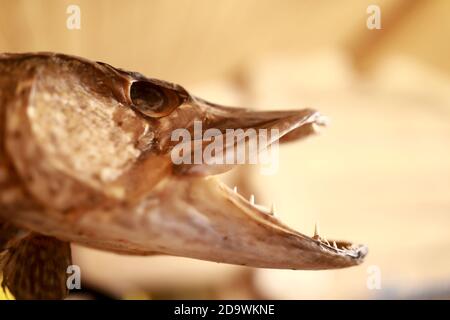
[[334, 245], [326, 241], [316, 231], [235, 189], [272, 210], [252, 199]]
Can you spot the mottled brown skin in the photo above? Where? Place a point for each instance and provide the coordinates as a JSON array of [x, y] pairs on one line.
[[85, 158]]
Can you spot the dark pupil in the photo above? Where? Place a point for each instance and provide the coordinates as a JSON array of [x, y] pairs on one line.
[[147, 97]]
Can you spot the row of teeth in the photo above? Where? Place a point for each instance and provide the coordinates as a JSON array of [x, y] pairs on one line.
[[325, 241], [316, 236]]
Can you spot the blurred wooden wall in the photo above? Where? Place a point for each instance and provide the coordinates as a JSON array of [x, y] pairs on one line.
[[192, 40]]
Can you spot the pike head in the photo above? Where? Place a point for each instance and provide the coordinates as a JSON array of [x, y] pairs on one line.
[[91, 149]]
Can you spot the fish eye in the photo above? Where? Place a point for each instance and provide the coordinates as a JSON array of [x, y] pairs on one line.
[[153, 100]]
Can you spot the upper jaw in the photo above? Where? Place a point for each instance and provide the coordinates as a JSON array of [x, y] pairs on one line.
[[200, 115]]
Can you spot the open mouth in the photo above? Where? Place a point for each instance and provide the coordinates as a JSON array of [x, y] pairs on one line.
[[254, 235], [240, 231], [294, 127]]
